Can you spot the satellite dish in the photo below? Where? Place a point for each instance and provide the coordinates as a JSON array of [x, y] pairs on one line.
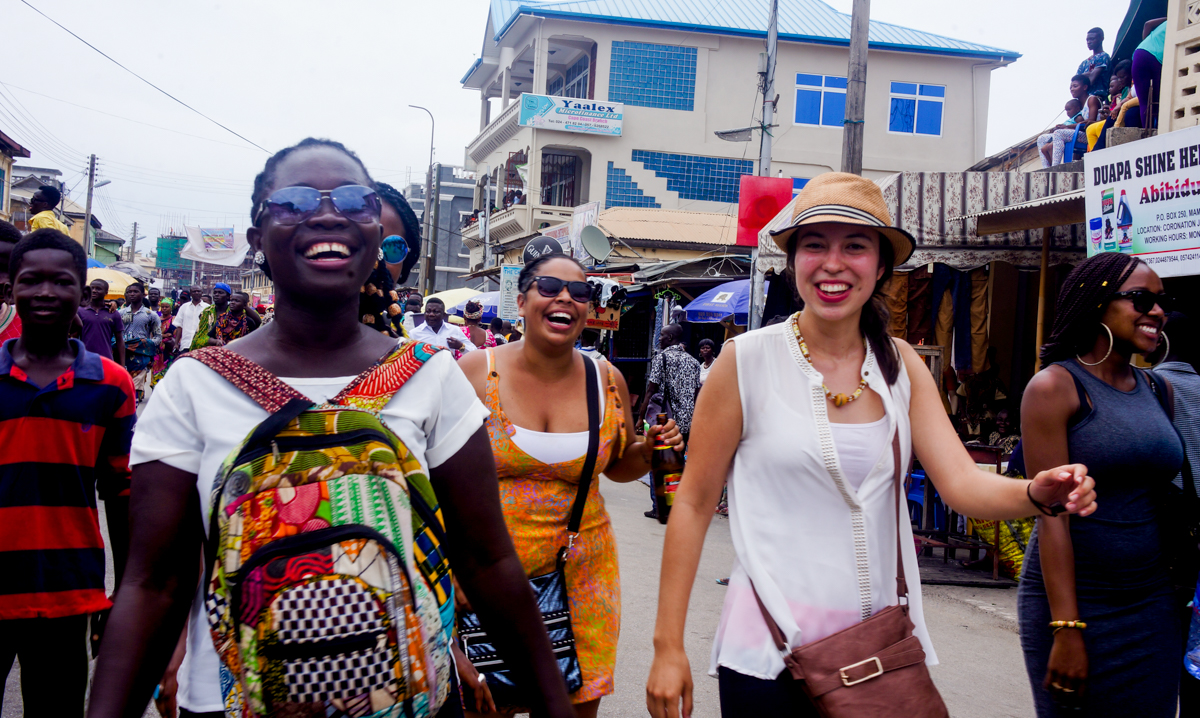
[[595, 242], [539, 247]]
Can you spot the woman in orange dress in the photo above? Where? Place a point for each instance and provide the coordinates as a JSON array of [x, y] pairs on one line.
[[538, 426]]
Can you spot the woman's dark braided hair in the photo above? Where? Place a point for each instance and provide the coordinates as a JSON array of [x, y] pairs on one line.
[[873, 322], [412, 228], [1081, 303]]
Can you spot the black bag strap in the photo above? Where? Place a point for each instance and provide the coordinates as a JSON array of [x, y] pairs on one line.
[[589, 464]]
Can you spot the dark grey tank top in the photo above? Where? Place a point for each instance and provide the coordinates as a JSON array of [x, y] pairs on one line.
[[1133, 452]]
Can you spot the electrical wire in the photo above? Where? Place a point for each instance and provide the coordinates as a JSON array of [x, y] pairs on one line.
[[19, 109], [127, 119], [151, 84]]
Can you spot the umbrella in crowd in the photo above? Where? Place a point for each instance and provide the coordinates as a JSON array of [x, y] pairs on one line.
[[721, 301], [132, 270], [117, 281], [490, 302], [452, 297], [93, 262]]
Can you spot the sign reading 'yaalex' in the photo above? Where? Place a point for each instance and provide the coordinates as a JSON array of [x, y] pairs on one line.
[[569, 114], [1143, 198]]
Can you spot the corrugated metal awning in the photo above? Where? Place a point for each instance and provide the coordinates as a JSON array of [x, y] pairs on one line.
[[1054, 211]]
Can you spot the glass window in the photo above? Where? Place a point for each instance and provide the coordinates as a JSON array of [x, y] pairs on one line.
[[576, 80], [916, 109], [820, 100], [798, 184]]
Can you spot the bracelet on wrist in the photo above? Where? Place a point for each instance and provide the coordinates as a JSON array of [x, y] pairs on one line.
[[1060, 625], [1052, 510]]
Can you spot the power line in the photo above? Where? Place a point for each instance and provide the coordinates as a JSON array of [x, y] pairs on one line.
[[131, 72], [119, 117]]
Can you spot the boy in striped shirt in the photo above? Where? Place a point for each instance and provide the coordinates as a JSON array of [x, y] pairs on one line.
[[66, 420]]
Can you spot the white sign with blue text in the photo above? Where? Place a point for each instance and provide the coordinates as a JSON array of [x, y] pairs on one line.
[[571, 114]]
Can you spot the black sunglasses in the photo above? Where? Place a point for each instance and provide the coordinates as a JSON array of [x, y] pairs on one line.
[[1144, 300], [550, 287], [293, 205]]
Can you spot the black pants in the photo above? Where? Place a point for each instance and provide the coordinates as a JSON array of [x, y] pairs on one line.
[[54, 663], [745, 696]]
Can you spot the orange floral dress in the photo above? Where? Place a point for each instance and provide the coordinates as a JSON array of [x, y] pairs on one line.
[[536, 499]]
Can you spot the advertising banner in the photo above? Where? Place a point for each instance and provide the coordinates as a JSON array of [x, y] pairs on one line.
[[561, 233], [570, 114], [508, 291], [583, 215], [217, 238], [759, 200], [1143, 198]]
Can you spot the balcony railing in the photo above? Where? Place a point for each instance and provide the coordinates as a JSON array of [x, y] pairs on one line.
[[521, 220], [501, 130]]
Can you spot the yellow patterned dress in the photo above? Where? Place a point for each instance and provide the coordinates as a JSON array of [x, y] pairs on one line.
[[536, 499]]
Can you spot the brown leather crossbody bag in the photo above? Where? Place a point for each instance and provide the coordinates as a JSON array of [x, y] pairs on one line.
[[873, 668]]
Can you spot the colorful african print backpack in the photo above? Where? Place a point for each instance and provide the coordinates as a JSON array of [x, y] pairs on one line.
[[310, 604]]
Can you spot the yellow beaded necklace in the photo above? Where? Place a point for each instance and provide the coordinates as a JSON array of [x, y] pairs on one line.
[[839, 400]]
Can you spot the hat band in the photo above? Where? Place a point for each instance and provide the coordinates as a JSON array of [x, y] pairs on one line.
[[840, 210]]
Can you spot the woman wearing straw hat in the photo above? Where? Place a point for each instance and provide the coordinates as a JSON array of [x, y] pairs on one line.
[[800, 417]]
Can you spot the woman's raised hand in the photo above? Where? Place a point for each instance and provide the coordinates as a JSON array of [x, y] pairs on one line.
[[1067, 485], [670, 680]]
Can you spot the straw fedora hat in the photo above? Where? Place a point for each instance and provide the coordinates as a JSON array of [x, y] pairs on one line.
[[849, 199]]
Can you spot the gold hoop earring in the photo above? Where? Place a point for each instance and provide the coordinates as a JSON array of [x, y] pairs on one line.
[[1166, 353], [1110, 348]]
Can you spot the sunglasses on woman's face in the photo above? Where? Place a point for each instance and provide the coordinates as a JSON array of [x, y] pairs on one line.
[[550, 287], [1144, 300], [293, 205]]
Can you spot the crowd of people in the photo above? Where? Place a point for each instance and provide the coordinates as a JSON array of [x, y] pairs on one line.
[[354, 506], [1107, 92]]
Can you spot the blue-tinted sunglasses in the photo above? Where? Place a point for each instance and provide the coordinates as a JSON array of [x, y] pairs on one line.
[[293, 205]]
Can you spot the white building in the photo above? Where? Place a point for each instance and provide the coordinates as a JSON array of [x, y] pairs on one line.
[[685, 68]]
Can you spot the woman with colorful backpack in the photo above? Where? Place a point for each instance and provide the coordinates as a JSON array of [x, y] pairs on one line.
[[327, 473]]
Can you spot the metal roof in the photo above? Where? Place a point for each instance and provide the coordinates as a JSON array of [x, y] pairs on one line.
[[669, 225], [1053, 211], [799, 20]]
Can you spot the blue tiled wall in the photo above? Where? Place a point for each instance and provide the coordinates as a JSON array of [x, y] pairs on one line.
[[707, 178], [647, 75], [621, 191]]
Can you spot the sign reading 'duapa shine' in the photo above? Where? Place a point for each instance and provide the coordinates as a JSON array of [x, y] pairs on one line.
[[1143, 198], [571, 114]]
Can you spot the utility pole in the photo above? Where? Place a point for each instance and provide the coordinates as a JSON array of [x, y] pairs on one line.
[[757, 278], [87, 213], [133, 245], [856, 88], [433, 226], [768, 90]]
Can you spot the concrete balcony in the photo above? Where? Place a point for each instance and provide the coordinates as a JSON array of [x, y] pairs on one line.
[[520, 220], [501, 130]]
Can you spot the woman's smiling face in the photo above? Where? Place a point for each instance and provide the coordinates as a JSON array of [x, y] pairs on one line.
[[836, 267], [558, 319], [326, 256]]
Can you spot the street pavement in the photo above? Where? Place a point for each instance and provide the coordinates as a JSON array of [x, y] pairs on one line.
[[974, 630]]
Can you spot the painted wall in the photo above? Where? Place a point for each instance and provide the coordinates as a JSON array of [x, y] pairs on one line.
[[724, 98]]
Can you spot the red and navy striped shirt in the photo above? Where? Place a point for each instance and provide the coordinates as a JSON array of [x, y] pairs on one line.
[[59, 445]]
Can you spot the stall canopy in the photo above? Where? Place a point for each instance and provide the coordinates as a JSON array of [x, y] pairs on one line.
[[942, 210], [721, 301]]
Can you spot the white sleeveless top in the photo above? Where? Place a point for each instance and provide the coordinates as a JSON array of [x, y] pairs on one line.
[[822, 553]]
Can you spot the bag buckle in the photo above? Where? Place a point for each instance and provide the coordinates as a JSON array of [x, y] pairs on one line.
[[571, 541], [846, 681]]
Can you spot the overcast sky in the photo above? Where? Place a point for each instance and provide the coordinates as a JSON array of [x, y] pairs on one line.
[[277, 71]]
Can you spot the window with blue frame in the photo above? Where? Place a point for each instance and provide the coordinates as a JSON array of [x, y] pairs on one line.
[[916, 109], [820, 100], [646, 75]]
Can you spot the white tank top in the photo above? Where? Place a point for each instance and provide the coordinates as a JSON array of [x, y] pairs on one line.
[[859, 447], [821, 551]]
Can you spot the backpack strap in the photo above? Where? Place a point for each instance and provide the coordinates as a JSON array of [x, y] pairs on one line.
[[375, 387], [263, 387]]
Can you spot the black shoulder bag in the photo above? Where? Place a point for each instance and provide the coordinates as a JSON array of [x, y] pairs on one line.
[[1180, 515], [550, 589]]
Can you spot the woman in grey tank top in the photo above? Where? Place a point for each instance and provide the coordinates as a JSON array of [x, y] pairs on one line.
[[1106, 570]]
